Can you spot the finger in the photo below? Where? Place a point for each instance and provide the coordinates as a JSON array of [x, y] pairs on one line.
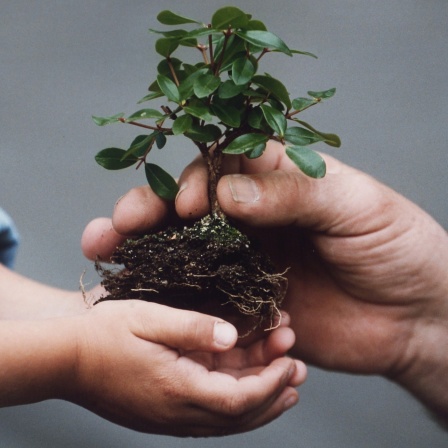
[[249, 395], [180, 329], [192, 200], [289, 197], [99, 239], [139, 211]]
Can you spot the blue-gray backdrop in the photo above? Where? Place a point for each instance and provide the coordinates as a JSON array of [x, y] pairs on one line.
[[62, 61]]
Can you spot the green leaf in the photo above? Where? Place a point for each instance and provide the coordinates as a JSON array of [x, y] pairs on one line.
[[256, 152], [309, 161], [275, 119], [164, 67], [186, 88], [245, 143], [302, 103], [305, 53], [242, 71], [166, 46], [182, 124], [102, 121], [200, 32], [329, 139], [144, 114], [151, 96], [256, 118], [169, 18], [264, 39], [274, 87], [140, 145], [301, 137], [204, 134], [111, 159], [228, 89], [205, 85], [324, 94], [256, 25], [229, 115], [199, 110], [162, 183], [229, 17], [169, 88], [160, 140]]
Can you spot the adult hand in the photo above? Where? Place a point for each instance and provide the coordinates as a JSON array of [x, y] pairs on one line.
[[368, 286]]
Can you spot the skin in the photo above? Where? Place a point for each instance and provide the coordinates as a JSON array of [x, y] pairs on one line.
[[368, 288], [141, 365]]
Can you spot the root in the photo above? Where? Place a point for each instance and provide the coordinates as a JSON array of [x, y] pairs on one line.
[[208, 267]]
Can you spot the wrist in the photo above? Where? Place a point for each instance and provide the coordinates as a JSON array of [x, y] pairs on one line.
[[37, 360], [425, 368]]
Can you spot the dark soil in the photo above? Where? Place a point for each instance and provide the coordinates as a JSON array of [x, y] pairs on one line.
[[209, 267]]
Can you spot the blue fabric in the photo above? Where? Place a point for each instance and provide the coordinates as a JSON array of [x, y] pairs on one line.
[[9, 239]]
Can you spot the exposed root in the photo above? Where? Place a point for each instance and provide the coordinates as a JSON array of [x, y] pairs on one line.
[[209, 267]]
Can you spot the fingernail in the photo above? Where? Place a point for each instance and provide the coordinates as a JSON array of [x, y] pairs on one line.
[[182, 188], [244, 189], [119, 199], [224, 334]]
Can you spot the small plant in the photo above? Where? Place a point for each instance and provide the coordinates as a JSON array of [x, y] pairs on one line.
[[225, 106]]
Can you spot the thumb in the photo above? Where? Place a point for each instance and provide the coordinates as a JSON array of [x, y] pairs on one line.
[[288, 197], [186, 330]]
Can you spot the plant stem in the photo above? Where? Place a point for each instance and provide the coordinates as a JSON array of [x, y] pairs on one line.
[[213, 159]]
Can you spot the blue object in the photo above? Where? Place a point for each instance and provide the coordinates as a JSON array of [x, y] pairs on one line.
[[9, 239]]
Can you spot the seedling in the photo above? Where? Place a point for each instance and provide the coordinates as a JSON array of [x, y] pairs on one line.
[[225, 105]]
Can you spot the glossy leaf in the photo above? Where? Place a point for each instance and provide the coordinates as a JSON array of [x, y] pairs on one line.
[[256, 25], [160, 140], [169, 18], [242, 71], [309, 161], [150, 96], [228, 89], [169, 88], [205, 85], [199, 110], [245, 143], [302, 103], [256, 118], [324, 94], [200, 32], [164, 67], [305, 53], [204, 134], [112, 159], [144, 114], [275, 119], [186, 88], [182, 124], [140, 145], [256, 152], [103, 121], [329, 139], [166, 46], [301, 137], [229, 17], [264, 39], [274, 87], [229, 115], [162, 183]]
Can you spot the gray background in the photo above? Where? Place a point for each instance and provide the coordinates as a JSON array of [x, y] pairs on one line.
[[62, 61]]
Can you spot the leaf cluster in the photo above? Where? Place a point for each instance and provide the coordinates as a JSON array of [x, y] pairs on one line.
[[221, 101]]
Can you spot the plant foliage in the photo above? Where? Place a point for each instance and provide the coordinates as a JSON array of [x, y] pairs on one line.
[[220, 101]]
